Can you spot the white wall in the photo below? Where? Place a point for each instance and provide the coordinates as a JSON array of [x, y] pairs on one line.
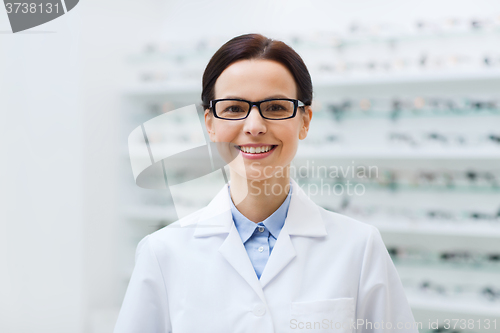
[[59, 109], [41, 177], [112, 30]]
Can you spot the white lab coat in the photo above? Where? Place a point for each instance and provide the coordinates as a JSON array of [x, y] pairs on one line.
[[325, 271]]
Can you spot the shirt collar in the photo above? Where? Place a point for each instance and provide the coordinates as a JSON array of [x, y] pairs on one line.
[[273, 223]]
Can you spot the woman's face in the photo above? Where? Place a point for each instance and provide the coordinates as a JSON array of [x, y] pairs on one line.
[[256, 80]]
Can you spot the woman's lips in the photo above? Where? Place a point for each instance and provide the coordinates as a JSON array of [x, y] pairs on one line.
[[254, 156]]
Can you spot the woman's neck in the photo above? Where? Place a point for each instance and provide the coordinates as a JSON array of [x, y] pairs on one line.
[[263, 197]]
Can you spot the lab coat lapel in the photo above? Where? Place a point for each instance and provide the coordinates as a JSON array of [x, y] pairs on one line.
[[216, 218], [235, 253], [303, 219], [283, 252]]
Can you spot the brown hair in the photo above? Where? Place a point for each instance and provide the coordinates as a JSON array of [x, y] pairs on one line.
[[256, 46]]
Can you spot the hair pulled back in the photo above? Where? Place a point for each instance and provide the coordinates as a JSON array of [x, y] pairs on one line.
[[256, 46]]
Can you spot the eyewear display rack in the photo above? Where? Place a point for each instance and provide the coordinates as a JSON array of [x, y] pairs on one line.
[[431, 192]]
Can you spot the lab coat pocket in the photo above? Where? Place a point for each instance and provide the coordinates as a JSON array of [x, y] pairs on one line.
[[328, 315]]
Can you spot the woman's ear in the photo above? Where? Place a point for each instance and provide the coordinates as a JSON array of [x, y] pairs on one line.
[[209, 124], [306, 121]]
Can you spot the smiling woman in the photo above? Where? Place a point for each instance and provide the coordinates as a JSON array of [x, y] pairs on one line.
[[262, 257], [264, 81]]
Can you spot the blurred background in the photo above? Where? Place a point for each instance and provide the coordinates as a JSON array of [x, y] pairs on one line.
[[409, 87]]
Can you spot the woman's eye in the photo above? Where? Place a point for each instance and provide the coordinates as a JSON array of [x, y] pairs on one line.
[[275, 107], [233, 109]]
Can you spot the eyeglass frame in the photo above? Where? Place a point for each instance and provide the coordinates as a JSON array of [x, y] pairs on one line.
[[296, 105]]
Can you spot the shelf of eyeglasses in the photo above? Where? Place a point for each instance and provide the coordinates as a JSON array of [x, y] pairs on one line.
[[472, 217], [417, 105], [360, 69], [428, 227], [360, 74], [464, 299], [403, 70], [404, 256], [339, 115], [400, 225], [327, 136], [324, 71], [190, 88], [413, 77], [339, 151], [358, 36], [202, 50], [440, 266], [328, 187], [447, 329], [331, 173], [437, 140], [308, 152]]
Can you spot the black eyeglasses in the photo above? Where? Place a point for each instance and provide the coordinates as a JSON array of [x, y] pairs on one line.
[[273, 109]]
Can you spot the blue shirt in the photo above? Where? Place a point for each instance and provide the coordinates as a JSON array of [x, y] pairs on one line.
[[259, 238]]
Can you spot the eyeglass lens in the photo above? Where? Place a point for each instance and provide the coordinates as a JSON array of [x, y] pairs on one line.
[[274, 109]]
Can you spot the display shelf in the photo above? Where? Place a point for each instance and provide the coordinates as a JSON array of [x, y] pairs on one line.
[[192, 87], [409, 38], [332, 42], [410, 114], [334, 152], [453, 305], [443, 229], [478, 268], [484, 230], [465, 83], [326, 151], [150, 213], [396, 187], [401, 78]]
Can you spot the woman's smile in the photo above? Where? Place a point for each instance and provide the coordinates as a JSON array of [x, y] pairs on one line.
[[256, 151]]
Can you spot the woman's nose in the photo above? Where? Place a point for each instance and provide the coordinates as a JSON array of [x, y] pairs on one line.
[[254, 123]]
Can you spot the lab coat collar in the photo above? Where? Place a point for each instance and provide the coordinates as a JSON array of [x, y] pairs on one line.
[[303, 218], [273, 223]]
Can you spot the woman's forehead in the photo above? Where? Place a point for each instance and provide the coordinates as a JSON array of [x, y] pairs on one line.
[[255, 78]]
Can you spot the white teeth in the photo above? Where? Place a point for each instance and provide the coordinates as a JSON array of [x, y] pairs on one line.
[[258, 150]]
